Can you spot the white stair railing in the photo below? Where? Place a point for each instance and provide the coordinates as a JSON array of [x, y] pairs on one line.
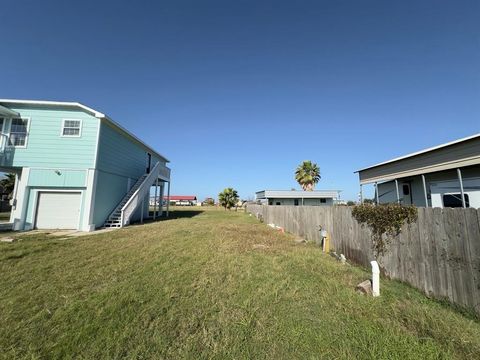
[[138, 196]]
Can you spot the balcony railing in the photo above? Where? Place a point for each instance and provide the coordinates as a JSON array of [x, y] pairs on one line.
[[164, 173]]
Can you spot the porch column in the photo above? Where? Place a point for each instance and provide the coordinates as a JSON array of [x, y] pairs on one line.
[[376, 193], [398, 192], [361, 194], [425, 191], [162, 194], [155, 200], [459, 173], [168, 198], [19, 208]]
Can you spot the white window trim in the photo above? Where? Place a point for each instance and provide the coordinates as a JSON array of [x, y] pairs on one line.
[[71, 136], [26, 137]]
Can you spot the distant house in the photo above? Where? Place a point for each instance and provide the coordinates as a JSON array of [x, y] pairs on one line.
[[75, 167], [208, 201], [446, 175], [181, 200], [297, 198]]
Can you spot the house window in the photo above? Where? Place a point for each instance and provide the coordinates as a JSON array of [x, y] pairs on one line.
[[19, 132], [455, 200], [71, 128], [406, 189], [277, 203], [323, 201], [295, 202]]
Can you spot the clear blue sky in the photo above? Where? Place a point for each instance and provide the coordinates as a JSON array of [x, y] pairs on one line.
[[237, 93]]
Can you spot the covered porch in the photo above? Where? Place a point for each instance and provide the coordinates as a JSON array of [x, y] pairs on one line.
[[433, 177]]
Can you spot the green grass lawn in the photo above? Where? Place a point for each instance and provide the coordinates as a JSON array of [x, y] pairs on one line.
[[195, 286]]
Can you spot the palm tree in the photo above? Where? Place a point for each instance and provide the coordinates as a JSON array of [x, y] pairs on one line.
[[307, 175], [8, 184], [228, 198]]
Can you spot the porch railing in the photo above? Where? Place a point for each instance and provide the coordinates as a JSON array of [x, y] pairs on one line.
[[164, 173]]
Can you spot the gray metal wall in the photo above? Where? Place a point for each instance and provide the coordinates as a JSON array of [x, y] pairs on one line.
[[458, 155], [439, 254], [310, 202]]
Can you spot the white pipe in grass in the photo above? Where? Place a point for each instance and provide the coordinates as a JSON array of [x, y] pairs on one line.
[[375, 278]]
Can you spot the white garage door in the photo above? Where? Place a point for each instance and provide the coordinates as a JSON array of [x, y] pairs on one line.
[[58, 210]]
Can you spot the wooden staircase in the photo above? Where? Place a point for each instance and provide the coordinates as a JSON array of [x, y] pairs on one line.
[[115, 218]]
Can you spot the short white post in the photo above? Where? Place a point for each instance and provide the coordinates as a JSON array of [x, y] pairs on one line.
[[323, 236], [375, 278]]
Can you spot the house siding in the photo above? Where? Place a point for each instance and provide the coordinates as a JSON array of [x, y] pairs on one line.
[[306, 202], [110, 191], [457, 155], [120, 163], [45, 145], [119, 155], [57, 178]]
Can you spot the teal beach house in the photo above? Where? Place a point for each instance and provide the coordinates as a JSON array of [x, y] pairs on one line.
[[76, 168]]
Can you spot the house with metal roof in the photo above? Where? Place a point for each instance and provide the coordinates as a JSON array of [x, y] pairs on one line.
[[75, 167], [447, 175], [298, 198], [183, 200]]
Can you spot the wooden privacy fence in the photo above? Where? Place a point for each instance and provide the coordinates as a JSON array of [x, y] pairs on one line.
[[438, 254]]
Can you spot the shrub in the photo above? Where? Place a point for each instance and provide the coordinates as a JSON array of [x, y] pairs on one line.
[[385, 221]]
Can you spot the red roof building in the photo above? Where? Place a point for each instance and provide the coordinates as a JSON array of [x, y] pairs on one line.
[[181, 198]]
